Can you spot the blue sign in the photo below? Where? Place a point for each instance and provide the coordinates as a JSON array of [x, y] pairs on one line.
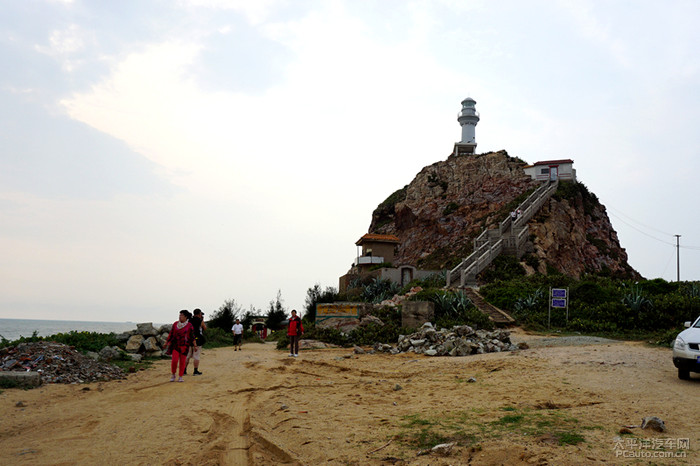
[[559, 303], [558, 293]]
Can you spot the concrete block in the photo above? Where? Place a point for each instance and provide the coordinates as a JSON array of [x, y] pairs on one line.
[[21, 379]]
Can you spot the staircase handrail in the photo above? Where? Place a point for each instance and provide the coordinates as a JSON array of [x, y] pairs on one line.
[[470, 258], [532, 209], [483, 261], [522, 237]]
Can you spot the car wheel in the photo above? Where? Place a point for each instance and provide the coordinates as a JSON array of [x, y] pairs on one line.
[[683, 374]]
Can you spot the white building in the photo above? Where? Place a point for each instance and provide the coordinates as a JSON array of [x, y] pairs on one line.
[[552, 170]]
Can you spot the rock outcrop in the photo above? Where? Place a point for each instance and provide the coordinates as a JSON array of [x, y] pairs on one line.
[[449, 203]]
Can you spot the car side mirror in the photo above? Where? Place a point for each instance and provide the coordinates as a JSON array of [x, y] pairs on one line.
[[687, 324]]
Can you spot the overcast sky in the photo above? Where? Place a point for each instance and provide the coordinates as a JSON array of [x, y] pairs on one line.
[[164, 155]]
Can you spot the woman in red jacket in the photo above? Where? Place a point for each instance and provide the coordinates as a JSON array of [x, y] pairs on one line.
[[294, 331], [180, 339]]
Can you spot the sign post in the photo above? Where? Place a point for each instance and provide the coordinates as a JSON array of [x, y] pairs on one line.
[[559, 299]]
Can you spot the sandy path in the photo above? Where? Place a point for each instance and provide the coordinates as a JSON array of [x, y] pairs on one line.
[[260, 407]]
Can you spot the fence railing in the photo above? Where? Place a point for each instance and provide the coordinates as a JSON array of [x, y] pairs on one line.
[[483, 261]]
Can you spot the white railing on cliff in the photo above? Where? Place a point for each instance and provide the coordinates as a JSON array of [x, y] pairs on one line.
[[510, 236]]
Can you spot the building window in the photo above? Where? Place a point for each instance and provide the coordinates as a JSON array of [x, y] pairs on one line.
[[544, 171]]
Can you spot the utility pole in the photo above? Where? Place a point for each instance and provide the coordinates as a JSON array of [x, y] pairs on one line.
[[678, 258]]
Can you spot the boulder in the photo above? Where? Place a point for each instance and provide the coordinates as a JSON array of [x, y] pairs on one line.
[[162, 339], [166, 328], [146, 329], [150, 344], [123, 337], [135, 357], [134, 343], [92, 355], [109, 352]]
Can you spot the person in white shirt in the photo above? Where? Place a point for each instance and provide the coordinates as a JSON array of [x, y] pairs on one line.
[[237, 330]]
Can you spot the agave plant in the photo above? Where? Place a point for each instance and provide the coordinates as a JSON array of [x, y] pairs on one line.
[[636, 300], [378, 290], [529, 302], [451, 304]]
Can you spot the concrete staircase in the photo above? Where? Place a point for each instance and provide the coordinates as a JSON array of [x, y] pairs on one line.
[[509, 238], [498, 316]]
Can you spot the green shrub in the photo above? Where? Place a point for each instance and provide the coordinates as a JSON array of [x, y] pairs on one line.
[[81, 341], [584, 325], [660, 286], [502, 268], [217, 337], [531, 260], [85, 341]]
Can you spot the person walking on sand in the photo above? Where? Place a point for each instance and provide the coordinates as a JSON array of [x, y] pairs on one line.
[[237, 330], [294, 331], [197, 321], [180, 338]]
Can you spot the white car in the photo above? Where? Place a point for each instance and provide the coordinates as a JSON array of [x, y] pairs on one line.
[[686, 350]]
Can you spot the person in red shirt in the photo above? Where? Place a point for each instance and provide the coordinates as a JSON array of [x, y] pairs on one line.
[[294, 331], [180, 339]]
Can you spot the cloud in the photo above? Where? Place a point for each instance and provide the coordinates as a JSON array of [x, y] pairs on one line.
[[341, 84], [256, 12], [65, 44]]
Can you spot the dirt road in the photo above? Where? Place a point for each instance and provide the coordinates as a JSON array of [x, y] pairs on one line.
[[551, 404]]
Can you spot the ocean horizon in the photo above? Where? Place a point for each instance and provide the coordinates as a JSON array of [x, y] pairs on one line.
[[13, 329]]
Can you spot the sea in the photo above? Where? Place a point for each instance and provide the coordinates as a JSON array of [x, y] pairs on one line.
[[13, 329]]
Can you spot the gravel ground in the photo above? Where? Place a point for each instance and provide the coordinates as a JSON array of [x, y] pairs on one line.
[[537, 341]]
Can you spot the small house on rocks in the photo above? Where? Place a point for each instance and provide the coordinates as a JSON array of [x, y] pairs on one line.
[[375, 259], [552, 170]]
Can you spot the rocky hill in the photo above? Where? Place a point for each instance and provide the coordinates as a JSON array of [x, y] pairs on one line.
[[449, 203]]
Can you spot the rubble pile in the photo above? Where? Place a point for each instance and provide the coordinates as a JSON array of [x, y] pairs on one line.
[[57, 363], [461, 340]]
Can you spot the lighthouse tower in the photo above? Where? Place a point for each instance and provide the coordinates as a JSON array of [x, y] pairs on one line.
[[467, 118]]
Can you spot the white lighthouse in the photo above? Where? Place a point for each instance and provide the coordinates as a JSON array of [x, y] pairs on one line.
[[467, 118]]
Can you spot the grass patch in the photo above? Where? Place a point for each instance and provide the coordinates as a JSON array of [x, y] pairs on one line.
[[510, 419], [419, 431], [569, 438], [413, 420], [126, 364]]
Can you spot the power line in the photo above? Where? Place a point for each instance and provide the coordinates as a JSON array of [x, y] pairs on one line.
[[693, 248], [638, 222], [642, 232]]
